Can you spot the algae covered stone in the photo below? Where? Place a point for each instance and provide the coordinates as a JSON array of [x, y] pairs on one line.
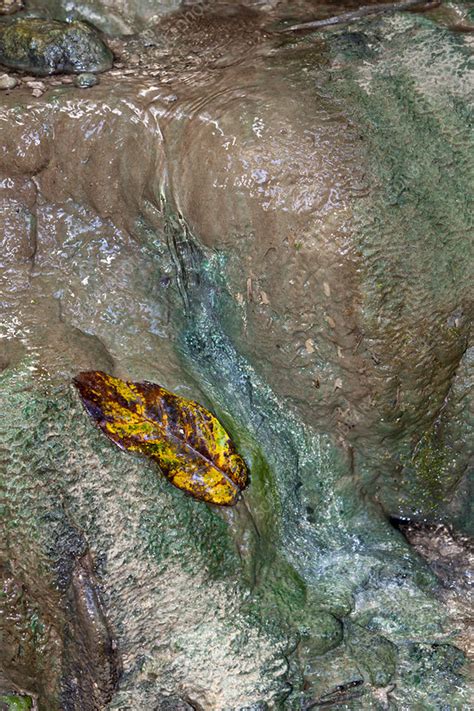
[[12, 702], [45, 47], [86, 80]]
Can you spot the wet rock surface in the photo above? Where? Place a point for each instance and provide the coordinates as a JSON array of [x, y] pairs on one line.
[[43, 47], [451, 555], [120, 17], [299, 273], [86, 80]]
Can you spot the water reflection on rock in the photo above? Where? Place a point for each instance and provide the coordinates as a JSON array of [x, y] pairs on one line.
[[278, 229]]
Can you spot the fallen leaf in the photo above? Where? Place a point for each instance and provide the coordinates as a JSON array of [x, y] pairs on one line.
[[327, 288], [189, 444], [264, 298]]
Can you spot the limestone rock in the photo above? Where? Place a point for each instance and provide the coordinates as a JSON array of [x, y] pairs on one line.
[[138, 235]]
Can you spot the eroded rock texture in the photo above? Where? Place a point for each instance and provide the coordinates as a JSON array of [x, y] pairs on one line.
[[278, 228]]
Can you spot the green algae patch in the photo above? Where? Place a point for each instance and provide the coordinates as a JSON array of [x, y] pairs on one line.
[[430, 471], [45, 47], [12, 702], [375, 654]]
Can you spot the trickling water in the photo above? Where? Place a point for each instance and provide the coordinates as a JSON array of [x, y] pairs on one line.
[[275, 226]]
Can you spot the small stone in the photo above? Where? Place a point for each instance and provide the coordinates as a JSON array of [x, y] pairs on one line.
[[7, 82], [86, 80], [38, 88], [36, 85], [7, 7]]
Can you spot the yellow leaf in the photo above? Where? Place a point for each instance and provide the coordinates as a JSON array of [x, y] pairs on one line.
[[193, 450]]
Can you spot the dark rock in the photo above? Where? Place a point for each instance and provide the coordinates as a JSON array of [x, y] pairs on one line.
[[86, 80], [91, 665], [173, 703], [45, 47]]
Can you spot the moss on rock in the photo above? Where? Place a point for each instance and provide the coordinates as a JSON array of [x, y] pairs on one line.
[[45, 47], [12, 702]]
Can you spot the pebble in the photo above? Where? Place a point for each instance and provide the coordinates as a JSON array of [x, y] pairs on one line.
[[9, 6], [7, 82], [34, 84], [86, 80], [38, 88]]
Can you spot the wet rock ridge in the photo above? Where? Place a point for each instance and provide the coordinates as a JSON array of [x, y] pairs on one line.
[[306, 275], [114, 16]]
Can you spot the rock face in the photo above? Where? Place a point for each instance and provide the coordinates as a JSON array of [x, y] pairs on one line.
[[45, 47], [279, 230], [121, 17]]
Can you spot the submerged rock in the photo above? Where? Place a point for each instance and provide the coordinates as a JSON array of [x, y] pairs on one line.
[[45, 47]]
